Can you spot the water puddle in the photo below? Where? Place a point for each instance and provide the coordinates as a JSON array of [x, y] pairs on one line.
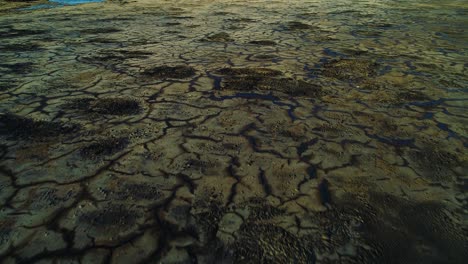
[[75, 2], [60, 3]]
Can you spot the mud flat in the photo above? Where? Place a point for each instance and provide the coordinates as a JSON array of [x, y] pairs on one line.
[[234, 132]]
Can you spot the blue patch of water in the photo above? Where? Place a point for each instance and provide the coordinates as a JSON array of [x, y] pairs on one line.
[[75, 2], [59, 3], [36, 7]]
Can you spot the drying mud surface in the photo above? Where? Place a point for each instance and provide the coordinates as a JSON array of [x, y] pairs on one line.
[[234, 132]]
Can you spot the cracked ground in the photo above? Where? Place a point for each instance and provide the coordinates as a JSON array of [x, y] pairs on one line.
[[234, 132]]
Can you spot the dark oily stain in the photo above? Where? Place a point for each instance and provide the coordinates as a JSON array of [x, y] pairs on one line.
[[350, 69], [296, 25], [264, 182], [324, 192], [218, 37], [104, 147], [107, 106], [100, 30], [312, 172], [170, 72], [263, 42], [17, 68], [19, 127], [248, 71]]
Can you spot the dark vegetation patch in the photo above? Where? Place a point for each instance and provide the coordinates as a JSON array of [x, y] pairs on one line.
[[261, 210], [48, 197], [115, 56], [112, 216], [100, 30], [218, 37], [103, 40], [21, 0], [240, 20], [139, 191], [412, 96], [430, 222], [354, 51], [291, 87], [264, 57], [267, 243], [296, 25], [434, 164], [207, 213], [369, 32], [20, 47], [373, 227], [352, 70], [263, 42], [262, 72], [393, 229], [17, 68], [116, 18], [264, 79], [104, 147], [288, 86], [7, 84], [116, 106], [170, 72], [11, 32], [257, 240], [173, 24], [182, 17], [18, 127], [222, 13], [107, 106]]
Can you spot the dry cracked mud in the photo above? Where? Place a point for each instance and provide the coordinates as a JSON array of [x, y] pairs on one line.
[[233, 132]]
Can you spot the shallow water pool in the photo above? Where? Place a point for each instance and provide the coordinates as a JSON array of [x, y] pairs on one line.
[[75, 2]]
